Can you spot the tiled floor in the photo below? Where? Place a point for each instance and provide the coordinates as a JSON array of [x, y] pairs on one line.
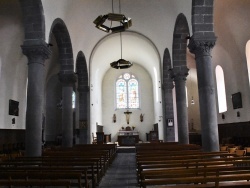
[[122, 172]]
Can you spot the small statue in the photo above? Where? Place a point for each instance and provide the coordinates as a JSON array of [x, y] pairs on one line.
[[114, 118], [141, 117]]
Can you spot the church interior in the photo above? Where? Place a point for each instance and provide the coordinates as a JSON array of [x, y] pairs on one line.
[[112, 73]]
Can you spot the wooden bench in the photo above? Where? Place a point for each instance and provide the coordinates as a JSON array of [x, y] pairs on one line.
[[165, 146], [100, 161], [52, 183], [91, 161], [186, 161], [85, 167], [53, 160], [196, 180], [189, 169], [75, 177]]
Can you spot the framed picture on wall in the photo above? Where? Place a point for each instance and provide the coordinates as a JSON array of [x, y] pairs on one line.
[[13, 108], [237, 100]]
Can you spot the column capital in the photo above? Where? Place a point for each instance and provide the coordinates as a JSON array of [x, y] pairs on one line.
[[179, 73], [67, 78], [36, 51], [201, 46]]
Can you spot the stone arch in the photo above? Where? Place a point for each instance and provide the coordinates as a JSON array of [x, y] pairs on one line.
[[67, 78], [83, 90], [181, 32], [82, 71], [60, 31], [169, 132], [179, 74], [33, 19]]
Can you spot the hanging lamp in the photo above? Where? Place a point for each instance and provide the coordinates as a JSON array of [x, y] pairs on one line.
[[121, 63], [124, 21]]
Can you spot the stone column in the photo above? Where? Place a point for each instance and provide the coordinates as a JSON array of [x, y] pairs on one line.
[[208, 114], [83, 114], [179, 75], [36, 51], [168, 98], [67, 81]]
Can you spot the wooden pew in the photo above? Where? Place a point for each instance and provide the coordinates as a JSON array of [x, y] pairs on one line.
[[185, 161], [99, 159], [196, 180], [103, 155], [55, 166], [201, 166], [216, 170], [93, 159], [112, 148], [48, 183], [165, 146], [74, 177]]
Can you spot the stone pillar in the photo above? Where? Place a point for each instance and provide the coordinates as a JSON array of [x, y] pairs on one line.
[[83, 114], [179, 75], [36, 51], [67, 81], [168, 98], [202, 47]]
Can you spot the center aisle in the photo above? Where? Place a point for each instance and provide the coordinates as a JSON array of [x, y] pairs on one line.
[[122, 172]]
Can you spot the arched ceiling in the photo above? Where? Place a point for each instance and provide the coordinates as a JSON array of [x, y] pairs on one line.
[[136, 48]]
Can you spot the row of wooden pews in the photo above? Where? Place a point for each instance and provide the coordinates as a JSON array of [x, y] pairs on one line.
[[186, 165], [79, 166]]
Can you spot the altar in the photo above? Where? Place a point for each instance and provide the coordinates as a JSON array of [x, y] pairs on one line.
[[128, 138]]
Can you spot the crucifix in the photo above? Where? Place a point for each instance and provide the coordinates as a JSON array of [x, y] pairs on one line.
[[127, 114]]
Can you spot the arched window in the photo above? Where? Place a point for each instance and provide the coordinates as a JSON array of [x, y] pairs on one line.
[[248, 58], [73, 99], [127, 92], [220, 81]]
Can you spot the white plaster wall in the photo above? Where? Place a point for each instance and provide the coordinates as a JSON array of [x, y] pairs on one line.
[[153, 18], [140, 50], [146, 103], [13, 65], [192, 91], [231, 21]]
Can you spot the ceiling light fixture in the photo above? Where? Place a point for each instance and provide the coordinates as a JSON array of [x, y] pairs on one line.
[[121, 63], [125, 22]]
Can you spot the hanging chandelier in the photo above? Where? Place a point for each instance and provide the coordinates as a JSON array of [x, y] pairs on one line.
[[121, 63], [124, 21]]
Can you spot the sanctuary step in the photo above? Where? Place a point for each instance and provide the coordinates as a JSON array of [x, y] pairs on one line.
[[125, 149]]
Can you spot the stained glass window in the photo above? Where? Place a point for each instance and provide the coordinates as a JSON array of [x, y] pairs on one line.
[[127, 92]]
